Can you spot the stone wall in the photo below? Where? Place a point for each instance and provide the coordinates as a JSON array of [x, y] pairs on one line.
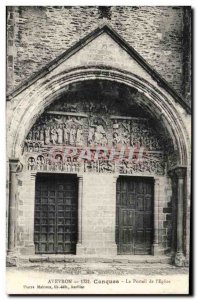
[[36, 35]]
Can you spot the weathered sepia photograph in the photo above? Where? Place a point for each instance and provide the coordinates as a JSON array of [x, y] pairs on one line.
[[98, 117]]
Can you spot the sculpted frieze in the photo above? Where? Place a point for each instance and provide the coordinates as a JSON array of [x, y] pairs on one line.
[[89, 124], [69, 162], [121, 132]]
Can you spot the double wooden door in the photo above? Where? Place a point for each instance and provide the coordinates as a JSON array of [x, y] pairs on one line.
[[134, 215], [55, 223]]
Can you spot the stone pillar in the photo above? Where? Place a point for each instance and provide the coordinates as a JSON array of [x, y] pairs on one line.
[[179, 256], [13, 164], [80, 201], [155, 246], [30, 202]]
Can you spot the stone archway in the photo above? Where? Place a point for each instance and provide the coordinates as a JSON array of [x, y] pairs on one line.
[[32, 103], [34, 100]]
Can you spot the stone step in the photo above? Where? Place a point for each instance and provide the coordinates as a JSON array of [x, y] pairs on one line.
[[135, 259]]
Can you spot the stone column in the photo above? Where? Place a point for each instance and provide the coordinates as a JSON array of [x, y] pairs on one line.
[[80, 201], [155, 246], [13, 164], [115, 178], [179, 256]]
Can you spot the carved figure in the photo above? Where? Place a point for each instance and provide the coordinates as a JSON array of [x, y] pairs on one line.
[[59, 134], [65, 133], [91, 135], [79, 137], [47, 136], [124, 138], [37, 133], [75, 165], [30, 147], [40, 163], [105, 166], [48, 165], [68, 165], [73, 132], [36, 147], [41, 134], [53, 135], [31, 163], [104, 140], [97, 136], [58, 162]]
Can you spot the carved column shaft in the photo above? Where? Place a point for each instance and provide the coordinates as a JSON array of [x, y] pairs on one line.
[[80, 200], [180, 173], [13, 164]]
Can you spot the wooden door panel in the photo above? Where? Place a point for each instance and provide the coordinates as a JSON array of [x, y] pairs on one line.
[[148, 221], [127, 218], [148, 203], [148, 238], [131, 200], [134, 215], [139, 220], [55, 229], [139, 237], [139, 205]]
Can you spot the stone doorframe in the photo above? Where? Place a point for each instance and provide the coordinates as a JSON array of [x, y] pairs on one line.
[[32, 102]]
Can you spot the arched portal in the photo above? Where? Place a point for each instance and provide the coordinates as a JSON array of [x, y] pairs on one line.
[[102, 107]]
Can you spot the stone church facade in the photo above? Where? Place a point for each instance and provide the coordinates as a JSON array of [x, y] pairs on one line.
[[99, 143]]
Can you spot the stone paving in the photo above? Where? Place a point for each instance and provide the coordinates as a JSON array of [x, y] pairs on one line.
[[102, 268]]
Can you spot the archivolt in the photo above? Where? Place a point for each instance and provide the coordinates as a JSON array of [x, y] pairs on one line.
[[37, 98]]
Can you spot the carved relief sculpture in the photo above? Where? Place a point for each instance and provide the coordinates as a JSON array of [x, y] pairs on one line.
[[78, 130]]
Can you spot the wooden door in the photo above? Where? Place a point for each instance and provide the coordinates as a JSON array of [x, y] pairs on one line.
[[55, 226], [134, 215]]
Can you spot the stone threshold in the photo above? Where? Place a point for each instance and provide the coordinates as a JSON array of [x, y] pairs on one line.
[[132, 259]]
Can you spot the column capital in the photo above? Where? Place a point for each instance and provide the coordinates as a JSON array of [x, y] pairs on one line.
[[180, 172], [13, 163]]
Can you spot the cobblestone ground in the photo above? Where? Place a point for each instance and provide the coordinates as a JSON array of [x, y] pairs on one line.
[[102, 269]]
